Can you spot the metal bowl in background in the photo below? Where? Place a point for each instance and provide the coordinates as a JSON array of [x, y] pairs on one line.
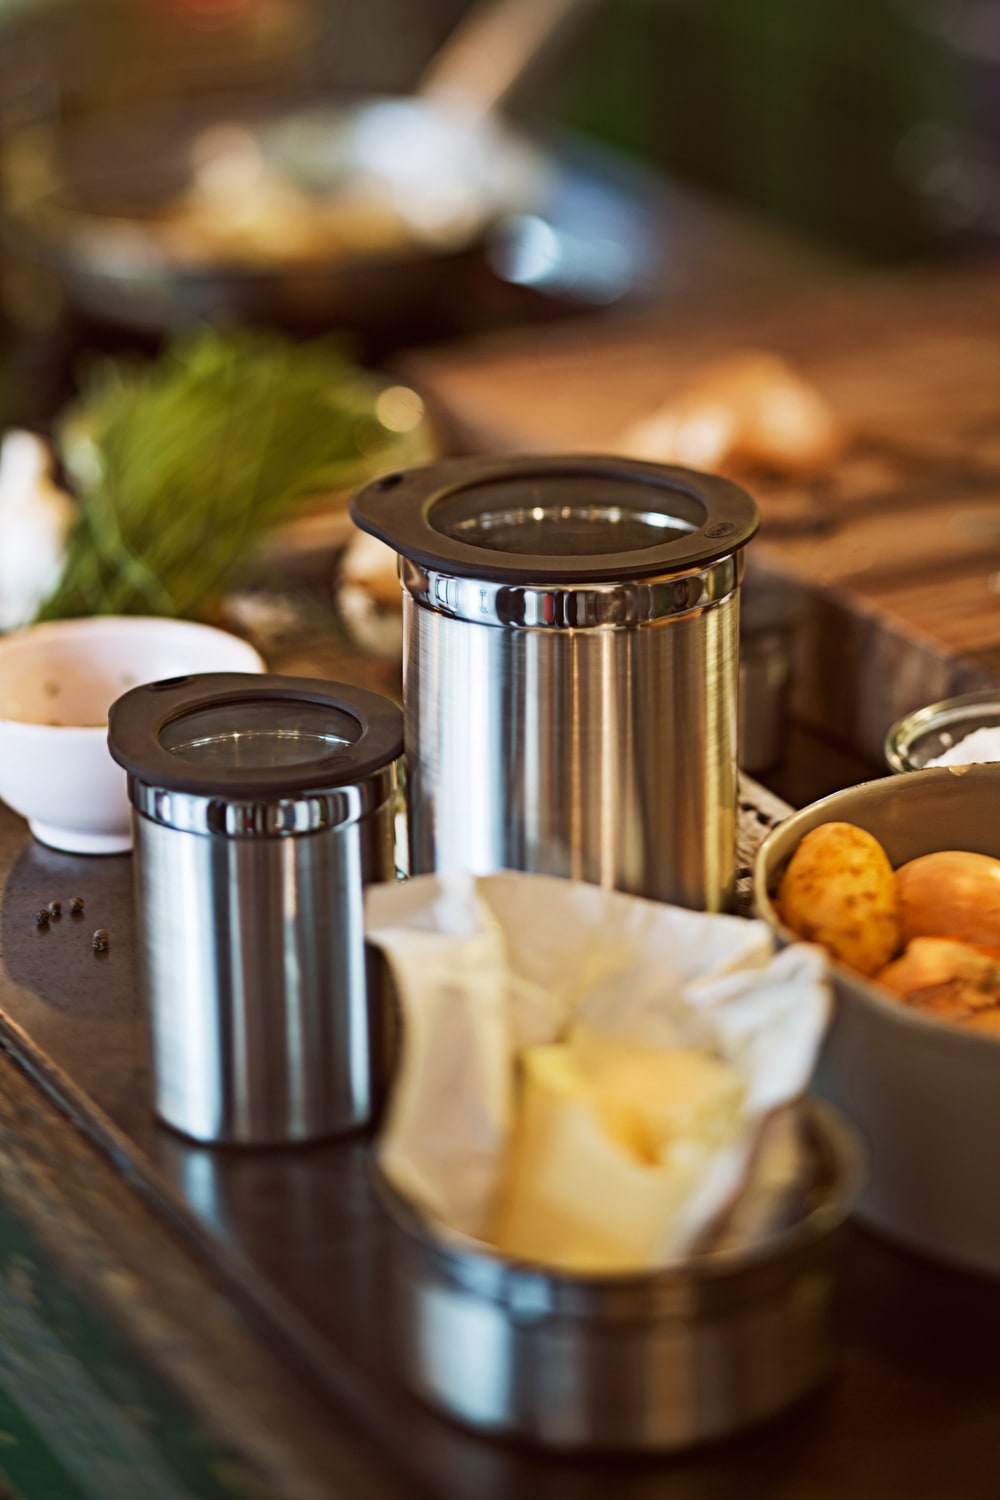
[[924, 1092], [926, 733], [769, 616], [654, 1361]]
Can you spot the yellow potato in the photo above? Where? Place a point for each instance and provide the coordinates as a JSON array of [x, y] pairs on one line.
[[839, 890], [950, 894]]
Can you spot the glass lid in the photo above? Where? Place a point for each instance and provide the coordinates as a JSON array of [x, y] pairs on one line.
[[259, 734], [559, 515]]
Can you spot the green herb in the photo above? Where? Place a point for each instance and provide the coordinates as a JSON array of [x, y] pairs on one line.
[[181, 467]]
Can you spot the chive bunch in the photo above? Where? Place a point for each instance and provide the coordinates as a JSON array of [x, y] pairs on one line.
[[182, 466]]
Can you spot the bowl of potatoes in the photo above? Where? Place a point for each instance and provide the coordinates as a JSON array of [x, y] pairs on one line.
[[899, 880]]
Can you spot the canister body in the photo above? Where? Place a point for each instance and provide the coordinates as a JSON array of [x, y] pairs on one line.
[[264, 1028], [589, 733]]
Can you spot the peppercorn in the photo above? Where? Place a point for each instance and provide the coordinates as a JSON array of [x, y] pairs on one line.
[[55, 908], [76, 906], [42, 918], [99, 942]]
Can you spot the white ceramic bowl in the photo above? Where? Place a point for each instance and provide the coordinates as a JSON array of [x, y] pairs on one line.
[[57, 682], [924, 1092]]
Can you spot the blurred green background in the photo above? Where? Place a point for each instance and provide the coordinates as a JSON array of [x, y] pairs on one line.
[[869, 125]]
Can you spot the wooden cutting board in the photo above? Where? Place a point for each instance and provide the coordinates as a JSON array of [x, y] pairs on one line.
[[904, 529]]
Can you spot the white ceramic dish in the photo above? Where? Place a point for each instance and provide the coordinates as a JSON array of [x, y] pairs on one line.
[[57, 682], [924, 1092]]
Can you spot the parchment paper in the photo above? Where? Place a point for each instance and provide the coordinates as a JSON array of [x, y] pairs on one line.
[[487, 965]]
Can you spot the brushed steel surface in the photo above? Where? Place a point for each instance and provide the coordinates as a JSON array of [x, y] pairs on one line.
[[656, 1360], [602, 751], [263, 1026]]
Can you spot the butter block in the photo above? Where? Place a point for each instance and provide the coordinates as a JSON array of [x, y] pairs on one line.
[[610, 1140], [649, 1099]]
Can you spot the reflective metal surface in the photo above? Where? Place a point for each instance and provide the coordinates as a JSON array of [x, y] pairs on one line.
[[306, 812], [589, 732], [659, 1360], [769, 618], [573, 606], [264, 1029]]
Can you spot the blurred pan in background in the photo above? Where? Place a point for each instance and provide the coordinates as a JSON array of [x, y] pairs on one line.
[[355, 212]]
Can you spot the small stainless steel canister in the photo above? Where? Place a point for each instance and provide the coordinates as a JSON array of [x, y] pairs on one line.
[[655, 1361], [570, 668], [262, 806]]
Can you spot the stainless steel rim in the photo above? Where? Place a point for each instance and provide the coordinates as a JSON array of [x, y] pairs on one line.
[[677, 1290], [583, 606], [312, 812], [900, 738]]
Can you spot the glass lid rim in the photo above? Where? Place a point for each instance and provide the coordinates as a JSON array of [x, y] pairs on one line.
[[139, 717]]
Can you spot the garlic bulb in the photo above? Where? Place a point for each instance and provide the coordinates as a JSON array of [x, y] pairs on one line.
[[35, 518], [369, 599]]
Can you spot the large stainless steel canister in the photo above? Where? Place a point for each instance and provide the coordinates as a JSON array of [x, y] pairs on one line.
[[570, 668], [262, 806], [657, 1360]]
